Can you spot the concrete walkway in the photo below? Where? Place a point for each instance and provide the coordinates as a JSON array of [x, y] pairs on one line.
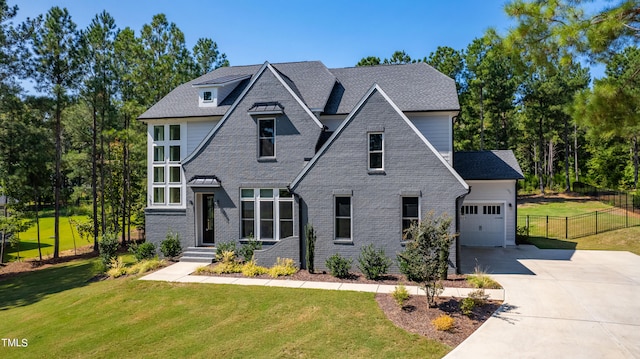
[[558, 304], [181, 272]]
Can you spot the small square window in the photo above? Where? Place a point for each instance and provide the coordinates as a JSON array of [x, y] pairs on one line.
[[246, 193], [158, 174], [174, 195], [207, 96], [266, 193], [174, 132], [158, 153], [174, 153], [158, 133], [174, 174], [158, 195]]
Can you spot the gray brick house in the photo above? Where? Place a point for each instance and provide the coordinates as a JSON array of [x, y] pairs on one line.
[[259, 151]]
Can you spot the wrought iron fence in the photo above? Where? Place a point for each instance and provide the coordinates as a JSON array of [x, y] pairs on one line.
[[580, 225], [620, 199]]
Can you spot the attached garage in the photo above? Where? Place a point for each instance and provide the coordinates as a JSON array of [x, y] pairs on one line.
[[483, 224], [487, 215]]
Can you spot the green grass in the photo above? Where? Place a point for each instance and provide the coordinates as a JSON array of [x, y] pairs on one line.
[[627, 239], [563, 208], [29, 239], [61, 314]]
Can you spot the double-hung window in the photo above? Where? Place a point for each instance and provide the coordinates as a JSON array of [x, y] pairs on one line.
[[166, 168], [376, 151], [266, 137], [343, 218], [266, 213], [410, 213]]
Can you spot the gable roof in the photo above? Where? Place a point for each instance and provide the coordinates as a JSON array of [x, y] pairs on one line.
[[412, 87], [487, 165], [266, 66], [347, 121]]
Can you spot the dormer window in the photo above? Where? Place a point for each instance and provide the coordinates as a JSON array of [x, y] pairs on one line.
[[213, 91], [207, 97]]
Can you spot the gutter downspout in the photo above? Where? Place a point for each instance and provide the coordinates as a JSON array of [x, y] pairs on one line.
[[458, 246]]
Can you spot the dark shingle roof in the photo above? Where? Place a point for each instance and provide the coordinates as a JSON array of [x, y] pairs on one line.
[[223, 80], [412, 87], [487, 165]]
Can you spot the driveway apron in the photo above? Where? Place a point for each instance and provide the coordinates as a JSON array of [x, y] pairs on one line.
[[558, 304]]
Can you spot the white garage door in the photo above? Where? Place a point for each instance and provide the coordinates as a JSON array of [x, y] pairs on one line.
[[482, 224]]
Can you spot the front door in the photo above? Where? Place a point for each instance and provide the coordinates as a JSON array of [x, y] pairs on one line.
[[207, 219]]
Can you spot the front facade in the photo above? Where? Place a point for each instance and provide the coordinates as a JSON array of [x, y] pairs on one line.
[[260, 151]]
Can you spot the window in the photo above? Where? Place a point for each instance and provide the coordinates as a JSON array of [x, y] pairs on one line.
[[267, 137], [490, 209], [174, 132], [206, 96], [158, 174], [158, 133], [468, 210], [266, 213], [410, 212], [376, 151], [343, 218], [166, 171]]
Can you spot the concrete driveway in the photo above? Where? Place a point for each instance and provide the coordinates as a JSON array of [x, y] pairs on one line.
[[558, 304]]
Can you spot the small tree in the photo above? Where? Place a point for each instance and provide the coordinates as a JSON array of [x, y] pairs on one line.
[[310, 235], [423, 259]]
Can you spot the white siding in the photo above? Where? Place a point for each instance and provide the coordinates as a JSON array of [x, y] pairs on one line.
[[437, 130], [503, 191], [196, 132]]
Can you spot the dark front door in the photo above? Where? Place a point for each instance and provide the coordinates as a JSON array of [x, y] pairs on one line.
[[207, 219]]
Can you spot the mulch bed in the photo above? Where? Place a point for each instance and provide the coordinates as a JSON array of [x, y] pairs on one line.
[[415, 317]]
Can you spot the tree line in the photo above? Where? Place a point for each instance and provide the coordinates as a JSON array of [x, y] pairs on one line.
[[79, 138], [526, 90]]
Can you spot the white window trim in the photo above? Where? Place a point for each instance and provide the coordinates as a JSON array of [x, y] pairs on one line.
[[166, 164], [370, 151], [335, 219], [274, 138], [256, 199]]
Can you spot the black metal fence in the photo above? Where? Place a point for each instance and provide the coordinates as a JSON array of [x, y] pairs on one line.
[[624, 200], [580, 225]]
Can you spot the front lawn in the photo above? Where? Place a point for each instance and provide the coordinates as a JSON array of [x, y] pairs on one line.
[[560, 207], [62, 314]]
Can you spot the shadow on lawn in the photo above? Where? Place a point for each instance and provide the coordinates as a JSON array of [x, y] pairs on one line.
[[11, 252], [32, 287]]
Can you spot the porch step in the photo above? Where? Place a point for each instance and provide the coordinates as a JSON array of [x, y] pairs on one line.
[[199, 255]]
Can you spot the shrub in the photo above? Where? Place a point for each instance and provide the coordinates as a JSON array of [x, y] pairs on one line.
[[338, 266], [247, 249], [227, 267], [225, 247], [443, 322], [170, 246], [116, 268], [425, 258], [108, 247], [481, 280], [226, 257], [466, 305], [400, 294], [283, 267], [478, 296], [146, 250], [251, 269], [373, 263], [310, 235], [146, 265], [204, 270]]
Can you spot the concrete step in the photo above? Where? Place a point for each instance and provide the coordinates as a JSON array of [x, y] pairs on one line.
[[196, 259], [199, 255]]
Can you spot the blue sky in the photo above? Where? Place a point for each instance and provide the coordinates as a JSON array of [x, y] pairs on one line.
[[339, 33]]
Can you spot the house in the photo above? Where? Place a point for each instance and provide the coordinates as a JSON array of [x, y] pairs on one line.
[[360, 153]]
